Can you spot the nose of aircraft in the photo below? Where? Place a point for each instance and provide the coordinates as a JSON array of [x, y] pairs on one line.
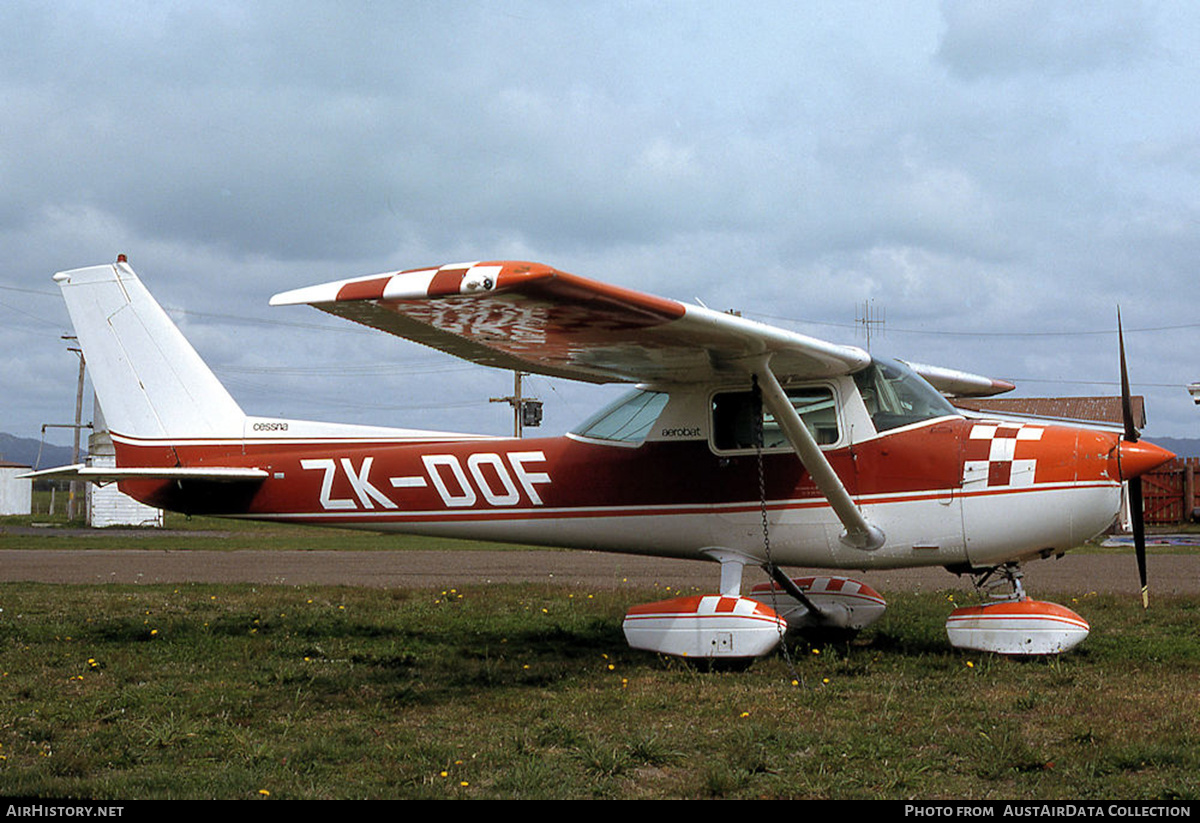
[[1138, 457]]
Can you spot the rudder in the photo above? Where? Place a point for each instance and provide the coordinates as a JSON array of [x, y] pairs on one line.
[[149, 381]]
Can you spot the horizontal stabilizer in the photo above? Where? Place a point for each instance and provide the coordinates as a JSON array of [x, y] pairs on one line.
[[97, 474]]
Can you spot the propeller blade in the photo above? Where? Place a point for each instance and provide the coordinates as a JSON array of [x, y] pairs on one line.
[[1139, 535], [1137, 520], [1131, 432]]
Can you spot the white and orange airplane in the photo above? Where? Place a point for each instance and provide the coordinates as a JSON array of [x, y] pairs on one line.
[[742, 443]]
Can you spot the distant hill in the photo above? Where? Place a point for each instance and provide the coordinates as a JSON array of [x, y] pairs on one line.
[[25, 450]]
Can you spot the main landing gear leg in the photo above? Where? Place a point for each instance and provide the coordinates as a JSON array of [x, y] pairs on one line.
[[1013, 624], [730, 629]]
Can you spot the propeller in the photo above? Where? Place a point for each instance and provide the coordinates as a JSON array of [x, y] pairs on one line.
[[1135, 483]]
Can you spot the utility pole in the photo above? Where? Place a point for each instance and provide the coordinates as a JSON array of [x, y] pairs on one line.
[[526, 411], [75, 486]]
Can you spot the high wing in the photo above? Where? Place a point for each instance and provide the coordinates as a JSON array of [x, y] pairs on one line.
[[530, 317]]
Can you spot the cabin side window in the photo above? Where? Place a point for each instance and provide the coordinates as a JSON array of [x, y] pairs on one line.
[[735, 414], [626, 421]]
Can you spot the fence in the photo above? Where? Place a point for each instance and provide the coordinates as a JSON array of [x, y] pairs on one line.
[[1169, 493]]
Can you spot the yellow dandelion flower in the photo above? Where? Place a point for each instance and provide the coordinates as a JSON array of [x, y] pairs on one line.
[[264, 792]]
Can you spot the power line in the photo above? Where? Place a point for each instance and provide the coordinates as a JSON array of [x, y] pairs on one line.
[[354, 328], [950, 333]]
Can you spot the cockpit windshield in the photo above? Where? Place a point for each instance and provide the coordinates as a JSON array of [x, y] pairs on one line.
[[897, 396], [626, 421]]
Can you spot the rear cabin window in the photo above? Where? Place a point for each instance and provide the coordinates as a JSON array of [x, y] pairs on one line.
[[735, 414], [626, 421]]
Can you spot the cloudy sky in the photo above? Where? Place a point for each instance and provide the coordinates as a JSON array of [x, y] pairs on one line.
[[995, 178]]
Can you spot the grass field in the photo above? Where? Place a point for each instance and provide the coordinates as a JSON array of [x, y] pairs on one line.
[[530, 692]]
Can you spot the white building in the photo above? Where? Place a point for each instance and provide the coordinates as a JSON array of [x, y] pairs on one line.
[[107, 505], [16, 493]]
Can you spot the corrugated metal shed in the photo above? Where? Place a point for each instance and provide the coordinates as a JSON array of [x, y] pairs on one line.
[[1098, 409]]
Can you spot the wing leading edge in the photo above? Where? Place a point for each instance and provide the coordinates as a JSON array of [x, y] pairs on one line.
[[534, 318]]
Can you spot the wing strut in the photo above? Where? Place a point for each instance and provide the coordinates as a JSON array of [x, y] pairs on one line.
[[859, 533]]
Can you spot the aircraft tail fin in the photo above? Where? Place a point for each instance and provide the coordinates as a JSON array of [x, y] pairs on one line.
[[149, 381]]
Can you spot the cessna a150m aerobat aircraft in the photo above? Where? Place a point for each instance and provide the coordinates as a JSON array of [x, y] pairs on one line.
[[742, 443]]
